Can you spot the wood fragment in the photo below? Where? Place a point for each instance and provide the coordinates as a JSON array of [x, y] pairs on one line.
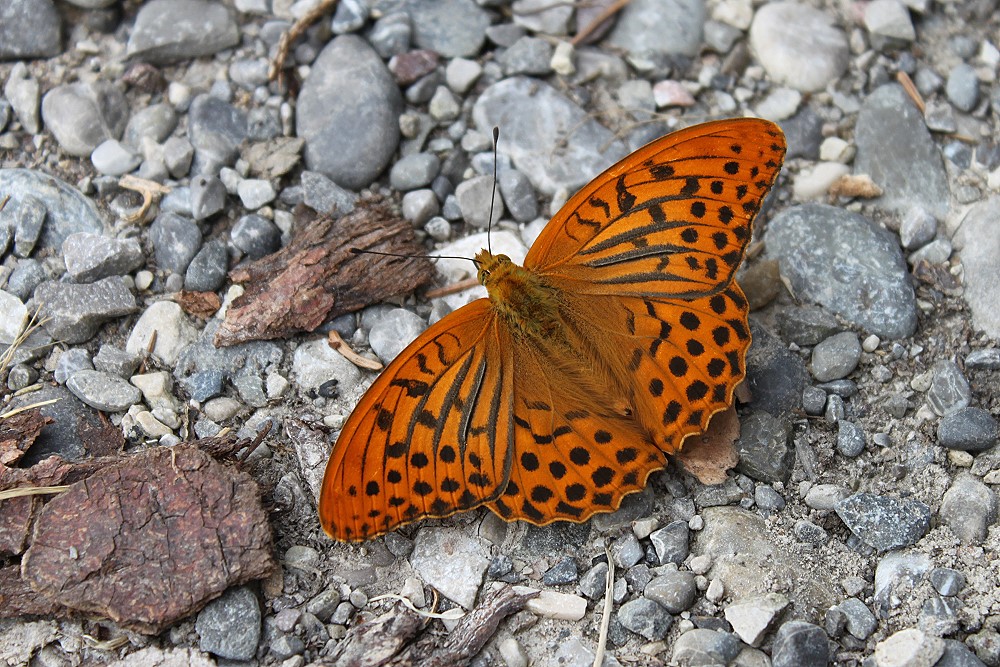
[[150, 191], [202, 305], [609, 589], [292, 35], [601, 18], [454, 288], [374, 643], [317, 276], [855, 185], [337, 343], [911, 89]]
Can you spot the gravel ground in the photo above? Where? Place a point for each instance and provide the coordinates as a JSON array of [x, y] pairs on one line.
[[860, 526]]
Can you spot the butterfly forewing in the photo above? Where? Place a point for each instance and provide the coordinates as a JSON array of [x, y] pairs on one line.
[[431, 437], [671, 220]]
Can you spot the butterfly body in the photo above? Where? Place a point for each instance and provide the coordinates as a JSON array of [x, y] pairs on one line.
[[557, 396]]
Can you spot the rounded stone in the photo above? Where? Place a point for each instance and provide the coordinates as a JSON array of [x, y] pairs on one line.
[[798, 45], [836, 357], [969, 429]]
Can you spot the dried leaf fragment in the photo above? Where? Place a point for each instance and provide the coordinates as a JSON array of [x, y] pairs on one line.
[[855, 185], [708, 456]]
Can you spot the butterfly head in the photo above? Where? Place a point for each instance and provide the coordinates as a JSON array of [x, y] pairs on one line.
[[490, 267]]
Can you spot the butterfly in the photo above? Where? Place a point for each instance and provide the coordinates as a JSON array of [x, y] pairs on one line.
[[559, 394]]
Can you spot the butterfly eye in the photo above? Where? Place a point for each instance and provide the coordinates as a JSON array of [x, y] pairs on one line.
[[484, 274]]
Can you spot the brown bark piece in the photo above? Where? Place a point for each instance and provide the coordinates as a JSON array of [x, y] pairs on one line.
[[373, 644], [18, 432], [199, 304], [17, 599], [15, 524], [317, 276], [150, 539], [469, 636], [708, 456]]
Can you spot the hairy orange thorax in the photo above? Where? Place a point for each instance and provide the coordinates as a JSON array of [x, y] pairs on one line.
[[521, 297]]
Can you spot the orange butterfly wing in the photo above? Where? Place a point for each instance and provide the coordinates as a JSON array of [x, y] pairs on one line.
[[641, 263]]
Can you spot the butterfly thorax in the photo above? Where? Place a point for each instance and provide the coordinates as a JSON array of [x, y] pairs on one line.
[[519, 296]]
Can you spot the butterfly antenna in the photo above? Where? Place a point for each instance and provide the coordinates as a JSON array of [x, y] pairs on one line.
[[493, 198], [361, 251]]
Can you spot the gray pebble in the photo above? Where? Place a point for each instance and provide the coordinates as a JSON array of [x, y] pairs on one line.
[[255, 192], [156, 122], [164, 31], [116, 361], [767, 499], [28, 225], [229, 626], [393, 331], [26, 276], [800, 644], [763, 448], [207, 271], [450, 27], [885, 522], [414, 171], [286, 646], [443, 105], [390, 36], [807, 325], [645, 617], [461, 73], [946, 581], [102, 391], [69, 362], [438, 228], [216, 129], [701, 645], [76, 311], [90, 257], [671, 542], [985, 359], [518, 195], [177, 156], [324, 196], [626, 551], [970, 429], [917, 229], [949, 390], [850, 439], [348, 113], [502, 565], [843, 388], [593, 582], [957, 654], [323, 605], [860, 621], [208, 196], [81, 116], [114, 159], [249, 74], [810, 533], [419, 206], [474, 198], [963, 87], [528, 55], [969, 508], [21, 376], [836, 357], [29, 29], [813, 401], [674, 590], [23, 93], [176, 240], [562, 573]]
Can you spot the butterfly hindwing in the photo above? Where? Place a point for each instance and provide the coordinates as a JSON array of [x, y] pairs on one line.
[[431, 437]]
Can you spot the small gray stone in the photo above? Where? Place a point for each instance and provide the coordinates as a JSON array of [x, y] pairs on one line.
[[949, 390], [808, 532], [177, 155], [461, 73], [850, 439], [946, 581], [28, 226], [208, 196], [969, 429], [167, 31], [593, 583], [889, 23], [703, 646], [443, 105], [917, 228], [457, 577], [26, 276], [29, 29], [860, 621], [102, 391], [807, 325], [474, 198], [76, 311], [800, 644], [518, 195], [957, 654], [90, 257], [156, 122], [528, 55], [777, 37], [969, 508], [229, 626], [286, 646], [671, 542], [207, 271], [255, 192], [113, 159], [116, 361], [986, 359], [562, 573], [390, 36], [394, 331], [884, 522], [963, 87], [324, 196], [674, 590], [438, 228], [323, 605], [69, 362], [836, 357], [626, 551], [419, 206], [763, 448], [645, 617], [176, 240], [255, 236], [414, 171], [22, 91], [453, 28], [767, 499], [81, 116], [216, 129], [813, 401]]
